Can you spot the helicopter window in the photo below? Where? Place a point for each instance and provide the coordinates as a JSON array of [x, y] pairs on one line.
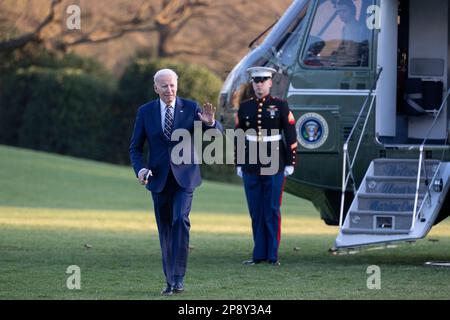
[[339, 36], [286, 49]]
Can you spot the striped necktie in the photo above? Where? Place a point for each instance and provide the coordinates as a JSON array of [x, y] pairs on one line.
[[168, 122]]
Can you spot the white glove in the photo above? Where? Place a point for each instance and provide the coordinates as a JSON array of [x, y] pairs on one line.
[[239, 171], [143, 175], [288, 170]]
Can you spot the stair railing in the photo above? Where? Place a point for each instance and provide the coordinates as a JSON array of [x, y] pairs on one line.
[[347, 160], [428, 184]]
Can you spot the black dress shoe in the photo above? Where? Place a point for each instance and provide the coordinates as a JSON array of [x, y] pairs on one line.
[[178, 288], [274, 263], [251, 262], [167, 291]]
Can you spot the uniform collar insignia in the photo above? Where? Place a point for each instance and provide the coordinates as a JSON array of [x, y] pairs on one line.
[[266, 98]]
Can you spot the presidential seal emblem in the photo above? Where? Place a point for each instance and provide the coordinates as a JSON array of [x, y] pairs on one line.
[[312, 130]]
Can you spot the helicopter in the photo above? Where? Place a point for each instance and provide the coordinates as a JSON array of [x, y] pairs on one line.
[[367, 82]]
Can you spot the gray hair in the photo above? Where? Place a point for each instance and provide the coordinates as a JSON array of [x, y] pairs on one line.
[[164, 72]]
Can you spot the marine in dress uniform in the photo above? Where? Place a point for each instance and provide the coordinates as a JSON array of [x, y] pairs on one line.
[[266, 120]]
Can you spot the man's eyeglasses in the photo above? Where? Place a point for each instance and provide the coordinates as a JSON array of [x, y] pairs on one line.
[[260, 79]]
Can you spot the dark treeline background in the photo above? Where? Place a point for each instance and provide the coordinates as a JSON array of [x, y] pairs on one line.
[[74, 106]]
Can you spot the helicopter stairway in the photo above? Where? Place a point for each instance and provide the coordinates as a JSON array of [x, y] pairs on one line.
[[394, 203]]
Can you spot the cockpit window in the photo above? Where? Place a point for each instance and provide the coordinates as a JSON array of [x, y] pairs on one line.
[[286, 50], [339, 36]]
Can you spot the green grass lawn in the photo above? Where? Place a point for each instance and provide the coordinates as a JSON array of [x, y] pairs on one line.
[[51, 207]]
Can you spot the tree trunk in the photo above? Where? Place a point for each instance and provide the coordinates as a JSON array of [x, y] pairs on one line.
[[164, 32]]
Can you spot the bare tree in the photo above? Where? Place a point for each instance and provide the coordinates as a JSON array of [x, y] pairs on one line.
[[34, 36], [166, 19], [199, 28]]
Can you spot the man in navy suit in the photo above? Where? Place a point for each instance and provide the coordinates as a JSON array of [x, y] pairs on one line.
[[171, 183]]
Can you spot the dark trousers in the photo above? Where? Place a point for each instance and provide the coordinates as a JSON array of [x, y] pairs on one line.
[[264, 194], [172, 207]]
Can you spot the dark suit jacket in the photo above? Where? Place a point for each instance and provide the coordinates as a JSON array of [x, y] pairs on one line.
[[148, 127]]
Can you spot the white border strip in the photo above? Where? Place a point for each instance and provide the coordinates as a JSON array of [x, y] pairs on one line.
[[327, 92]]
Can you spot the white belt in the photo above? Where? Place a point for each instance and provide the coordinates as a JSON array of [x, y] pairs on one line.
[[273, 138]]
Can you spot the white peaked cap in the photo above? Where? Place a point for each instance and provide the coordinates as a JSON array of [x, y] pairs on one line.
[[261, 72]]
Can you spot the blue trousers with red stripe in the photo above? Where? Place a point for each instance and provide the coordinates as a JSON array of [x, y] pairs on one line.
[[264, 194]]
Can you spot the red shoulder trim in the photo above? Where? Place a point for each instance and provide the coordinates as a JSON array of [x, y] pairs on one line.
[[291, 118]]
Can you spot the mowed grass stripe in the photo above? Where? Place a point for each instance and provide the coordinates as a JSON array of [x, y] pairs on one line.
[[138, 221], [42, 180]]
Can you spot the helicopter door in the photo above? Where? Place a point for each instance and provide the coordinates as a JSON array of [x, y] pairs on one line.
[[427, 63], [422, 76]]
